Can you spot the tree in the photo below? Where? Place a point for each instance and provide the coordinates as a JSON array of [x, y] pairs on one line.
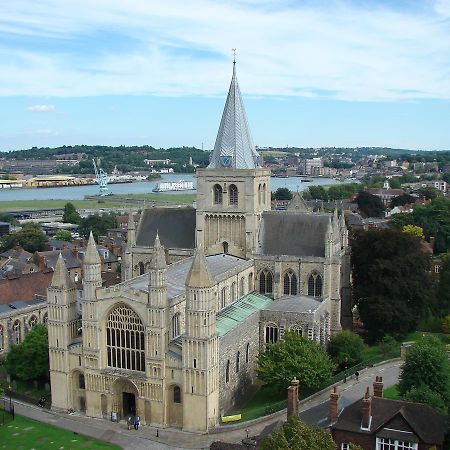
[[426, 364], [295, 356], [346, 347], [99, 224], [282, 194], [64, 235], [369, 205], [29, 360], [404, 199], [71, 214], [415, 231], [443, 290], [429, 192], [5, 217], [318, 193], [296, 435], [391, 281], [423, 394], [31, 238]]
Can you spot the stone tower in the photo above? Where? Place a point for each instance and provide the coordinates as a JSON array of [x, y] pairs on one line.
[[62, 329], [234, 189], [156, 331], [127, 270], [200, 349], [91, 352]]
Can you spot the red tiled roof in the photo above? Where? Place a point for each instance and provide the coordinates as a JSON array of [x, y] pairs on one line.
[[24, 287]]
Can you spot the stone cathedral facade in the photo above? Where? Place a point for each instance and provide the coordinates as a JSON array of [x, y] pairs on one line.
[[203, 291]]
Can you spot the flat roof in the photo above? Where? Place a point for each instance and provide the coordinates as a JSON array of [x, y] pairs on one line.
[[295, 304]]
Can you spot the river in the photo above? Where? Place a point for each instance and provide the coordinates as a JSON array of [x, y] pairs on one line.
[[144, 187]]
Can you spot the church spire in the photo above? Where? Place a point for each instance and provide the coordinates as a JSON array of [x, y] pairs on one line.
[[234, 146], [199, 275], [92, 256], [61, 277]]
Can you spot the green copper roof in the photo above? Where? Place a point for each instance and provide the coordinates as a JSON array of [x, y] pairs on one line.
[[234, 314]]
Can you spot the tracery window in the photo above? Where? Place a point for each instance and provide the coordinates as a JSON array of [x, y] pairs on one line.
[[45, 319], [2, 338], [250, 282], [176, 394], [33, 321], [265, 282], [233, 194], [315, 285], [241, 286], [238, 358], [125, 339], [17, 332], [290, 283], [227, 372], [297, 329], [141, 268], [271, 333], [223, 297], [218, 194], [233, 291]]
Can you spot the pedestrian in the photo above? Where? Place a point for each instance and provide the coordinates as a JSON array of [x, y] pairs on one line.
[[356, 375], [137, 422], [129, 422]]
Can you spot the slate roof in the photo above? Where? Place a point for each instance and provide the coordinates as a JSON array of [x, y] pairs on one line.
[[293, 233], [297, 303], [51, 257], [19, 304], [429, 425], [177, 273], [230, 317], [17, 253], [175, 226]]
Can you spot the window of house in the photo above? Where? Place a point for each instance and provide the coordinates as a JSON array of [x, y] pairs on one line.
[[345, 446], [290, 283], [176, 394], [233, 193], [109, 266], [17, 332], [238, 357], [125, 339], [315, 285], [437, 269], [271, 333], [218, 194], [392, 444], [227, 372], [265, 282]]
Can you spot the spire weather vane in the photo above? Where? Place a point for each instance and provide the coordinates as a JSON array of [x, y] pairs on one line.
[[234, 55]]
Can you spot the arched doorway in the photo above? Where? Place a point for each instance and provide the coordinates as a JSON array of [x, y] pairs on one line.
[[125, 398]]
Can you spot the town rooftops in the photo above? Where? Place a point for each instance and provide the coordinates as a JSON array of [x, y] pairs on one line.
[[230, 317]]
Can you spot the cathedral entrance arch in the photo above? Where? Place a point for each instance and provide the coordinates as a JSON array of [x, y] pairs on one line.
[[125, 398]]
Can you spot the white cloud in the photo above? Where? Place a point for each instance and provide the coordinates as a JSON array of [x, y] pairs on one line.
[[41, 108], [340, 49]]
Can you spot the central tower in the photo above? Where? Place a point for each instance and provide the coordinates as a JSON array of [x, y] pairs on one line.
[[234, 190]]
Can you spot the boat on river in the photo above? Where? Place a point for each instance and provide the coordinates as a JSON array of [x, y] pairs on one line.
[[167, 186]]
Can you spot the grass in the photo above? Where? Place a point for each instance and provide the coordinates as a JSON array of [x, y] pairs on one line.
[[392, 393], [265, 401], [26, 434], [185, 199]]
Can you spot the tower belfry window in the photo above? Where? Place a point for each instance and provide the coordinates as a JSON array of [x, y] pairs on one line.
[[233, 195], [218, 194]]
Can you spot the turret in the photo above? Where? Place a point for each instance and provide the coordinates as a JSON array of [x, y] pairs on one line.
[[131, 231], [92, 267], [157, 287]]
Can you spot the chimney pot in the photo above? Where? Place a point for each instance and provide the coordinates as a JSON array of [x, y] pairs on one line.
[[334, 405], [366, 410], [292, 407], [378, 387]]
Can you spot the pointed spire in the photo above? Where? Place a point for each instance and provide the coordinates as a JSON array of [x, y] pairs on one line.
[[158, 259], [234, 146], [342, 219], [92, 256], [298, 203], [131, 224], [61, 277], [199, 275]]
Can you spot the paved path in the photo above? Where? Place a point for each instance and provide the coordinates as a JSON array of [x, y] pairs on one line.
[[315, 410]]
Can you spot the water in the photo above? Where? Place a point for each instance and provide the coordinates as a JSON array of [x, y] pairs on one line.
[[144, 187]]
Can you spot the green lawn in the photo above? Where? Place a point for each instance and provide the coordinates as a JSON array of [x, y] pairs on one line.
[[182, 199], [392, 393], [27, 434], [264, 402]]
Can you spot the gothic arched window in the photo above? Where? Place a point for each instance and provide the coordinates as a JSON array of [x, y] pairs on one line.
[[315, 285], [218, 194], [227, 372], [223, 297], [233, 291], [175, 325], [238, 358], [265, 282], [141, 268], [264, 194], [290, 283], [2, 338], [125, 339], [297, 329], [241, 286], [45, 319], [271, 333], [233, 194], [81, 383], [17, 332], [250, 282], [176, 394], [247, 353], [33, 321]]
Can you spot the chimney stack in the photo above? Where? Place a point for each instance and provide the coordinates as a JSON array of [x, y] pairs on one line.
[[292, 406], [334, 405], [366, 410], [378, 387]]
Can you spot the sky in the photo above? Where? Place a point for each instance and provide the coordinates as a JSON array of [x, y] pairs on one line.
[[312, 73]]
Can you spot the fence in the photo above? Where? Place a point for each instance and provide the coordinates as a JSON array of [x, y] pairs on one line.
[[6, 412]]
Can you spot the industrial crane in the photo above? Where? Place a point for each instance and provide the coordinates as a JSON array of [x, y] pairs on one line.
[[102, 180]]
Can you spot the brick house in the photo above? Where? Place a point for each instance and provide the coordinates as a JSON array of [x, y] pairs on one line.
[[376, 423]]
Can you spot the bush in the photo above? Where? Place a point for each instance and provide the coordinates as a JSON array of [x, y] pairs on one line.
[[423, 394], [346, 348]]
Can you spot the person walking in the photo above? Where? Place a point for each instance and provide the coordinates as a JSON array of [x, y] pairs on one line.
[[129, 422], [137, 422]]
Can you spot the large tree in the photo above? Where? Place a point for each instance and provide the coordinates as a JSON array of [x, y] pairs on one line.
[[369, 205], [99, 224], [292, 357], [391, 281], [31, 238], [296, 435], [426, 365], [443, 291], [71, 214], [282, 194], [346, 348], [29, 360]]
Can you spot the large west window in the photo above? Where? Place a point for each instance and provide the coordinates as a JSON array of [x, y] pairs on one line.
[[125, 339]]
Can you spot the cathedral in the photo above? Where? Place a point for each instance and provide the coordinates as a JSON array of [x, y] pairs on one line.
[[203, 291]]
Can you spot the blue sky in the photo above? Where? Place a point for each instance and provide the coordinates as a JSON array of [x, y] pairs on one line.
[[313, 73]]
